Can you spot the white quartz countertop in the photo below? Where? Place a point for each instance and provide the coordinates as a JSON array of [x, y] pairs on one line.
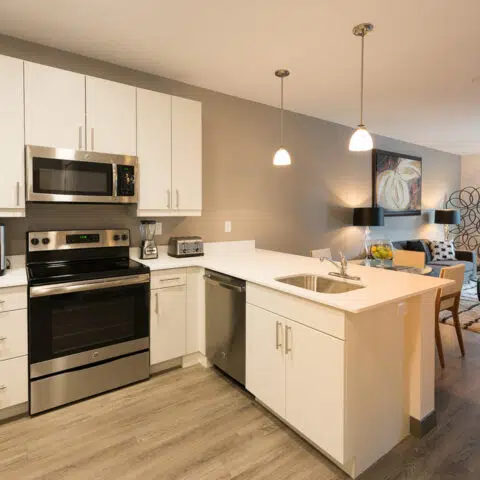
[[263, 266], [14, 277]]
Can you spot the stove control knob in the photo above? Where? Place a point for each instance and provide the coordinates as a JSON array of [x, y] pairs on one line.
[[35, 241], [124, 237], [45, 240], [116, 238]]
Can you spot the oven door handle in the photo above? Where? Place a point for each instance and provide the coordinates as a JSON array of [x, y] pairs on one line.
[[88, 285]]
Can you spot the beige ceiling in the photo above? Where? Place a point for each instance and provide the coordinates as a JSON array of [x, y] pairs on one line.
[[420, 60]]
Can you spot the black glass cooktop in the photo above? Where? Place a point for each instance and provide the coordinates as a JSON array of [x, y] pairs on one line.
[[72, 271]]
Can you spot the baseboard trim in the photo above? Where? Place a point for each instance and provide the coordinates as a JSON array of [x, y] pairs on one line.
[[194, 358], [167, 365], [419, 428], [12, 413]]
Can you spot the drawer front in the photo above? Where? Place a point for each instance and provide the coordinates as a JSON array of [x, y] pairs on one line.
[[13, 298], [13, 382], [313, 315], [13, 334], [168, 278]]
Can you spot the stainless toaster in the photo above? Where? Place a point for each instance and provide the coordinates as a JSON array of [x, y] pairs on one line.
[[185, 247]]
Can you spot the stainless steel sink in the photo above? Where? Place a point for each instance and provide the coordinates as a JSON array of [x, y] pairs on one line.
[[319, 284]]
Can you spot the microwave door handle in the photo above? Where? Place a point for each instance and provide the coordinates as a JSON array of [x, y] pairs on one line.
[[114, 180]]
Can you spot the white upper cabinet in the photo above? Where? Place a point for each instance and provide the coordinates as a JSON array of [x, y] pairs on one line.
[[111, 117], [54, 107], [12, 191], [154, 150], [186, 155]]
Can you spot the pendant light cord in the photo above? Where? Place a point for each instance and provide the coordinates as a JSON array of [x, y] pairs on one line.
[[361, 82], [281, 112]]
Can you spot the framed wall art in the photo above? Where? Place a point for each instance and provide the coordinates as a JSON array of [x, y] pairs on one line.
[[397, 183]]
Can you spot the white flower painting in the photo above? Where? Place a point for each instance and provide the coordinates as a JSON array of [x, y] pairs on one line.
[[397, 183]]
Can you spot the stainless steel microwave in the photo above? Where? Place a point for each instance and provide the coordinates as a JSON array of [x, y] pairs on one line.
[[77, 176]]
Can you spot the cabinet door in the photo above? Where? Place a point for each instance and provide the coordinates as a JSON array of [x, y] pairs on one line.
[[13, 381], [111, 117], [265, 358], [12, 193], [154, 150], [54, 107], [315, 387], [186, 154], [167, 324]]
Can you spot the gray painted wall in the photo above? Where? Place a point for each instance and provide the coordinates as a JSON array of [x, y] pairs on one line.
[[294, 209]]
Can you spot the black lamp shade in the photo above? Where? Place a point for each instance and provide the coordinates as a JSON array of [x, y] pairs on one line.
[[368, 217], [447, 217]]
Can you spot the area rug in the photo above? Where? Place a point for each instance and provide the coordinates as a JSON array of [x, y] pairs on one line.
[[469, 309]]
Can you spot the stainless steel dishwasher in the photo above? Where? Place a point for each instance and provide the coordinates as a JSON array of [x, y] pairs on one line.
[[225, 323]]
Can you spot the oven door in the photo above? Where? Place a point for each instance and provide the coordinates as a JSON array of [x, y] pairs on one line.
[[78, 323], [63, 175]]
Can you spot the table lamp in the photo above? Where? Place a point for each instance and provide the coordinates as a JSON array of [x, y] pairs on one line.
[[447, 217], [368, 217]]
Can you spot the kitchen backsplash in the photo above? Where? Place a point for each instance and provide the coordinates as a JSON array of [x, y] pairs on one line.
[[69, 217]]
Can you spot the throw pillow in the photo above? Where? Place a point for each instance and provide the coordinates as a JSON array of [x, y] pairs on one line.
[[442, 250], [419, 246]]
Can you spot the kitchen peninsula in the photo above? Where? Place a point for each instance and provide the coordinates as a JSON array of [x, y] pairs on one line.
[[353, 373]]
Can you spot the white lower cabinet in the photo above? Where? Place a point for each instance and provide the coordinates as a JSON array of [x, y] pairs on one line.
[[13, 349], [265, 358], [314, 391], [297, 372], [13, 334], [167, 323], [13, 382]]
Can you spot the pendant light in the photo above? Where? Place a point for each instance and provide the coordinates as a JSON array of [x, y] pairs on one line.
[[281, 157], [361, 140]]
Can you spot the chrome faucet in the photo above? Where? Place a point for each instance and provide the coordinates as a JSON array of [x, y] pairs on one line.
[[342, 267]]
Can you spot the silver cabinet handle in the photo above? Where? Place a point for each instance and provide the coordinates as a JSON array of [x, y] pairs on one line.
[[167, 196], [178, 198], [278, 328], [92, 139], [2, 301], [2, 339], [3, 387], [156, 303], [80, 141], [18, 194], [169, 279], [288, 348]]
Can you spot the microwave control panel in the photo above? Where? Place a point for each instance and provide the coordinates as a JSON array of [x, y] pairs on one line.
[[125, 180]]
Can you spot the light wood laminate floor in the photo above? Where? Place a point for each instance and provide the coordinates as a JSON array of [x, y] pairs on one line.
[[194, 424]]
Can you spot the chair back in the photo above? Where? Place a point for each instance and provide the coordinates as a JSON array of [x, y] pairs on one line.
[[320, 253], [407, 258], [455, 273]]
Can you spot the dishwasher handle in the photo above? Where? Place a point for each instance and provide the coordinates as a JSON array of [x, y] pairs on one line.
[[228, 286]]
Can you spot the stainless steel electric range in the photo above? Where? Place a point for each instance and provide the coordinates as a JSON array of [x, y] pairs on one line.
[[88, 315]]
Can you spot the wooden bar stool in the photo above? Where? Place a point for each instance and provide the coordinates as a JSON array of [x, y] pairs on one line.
[[448, 298], [407, 258]]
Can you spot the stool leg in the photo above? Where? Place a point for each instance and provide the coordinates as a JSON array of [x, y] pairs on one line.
[[438, 338], [438, 341], [458, 327]]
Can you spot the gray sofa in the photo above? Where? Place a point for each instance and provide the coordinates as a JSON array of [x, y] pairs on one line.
[[469, 259]]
